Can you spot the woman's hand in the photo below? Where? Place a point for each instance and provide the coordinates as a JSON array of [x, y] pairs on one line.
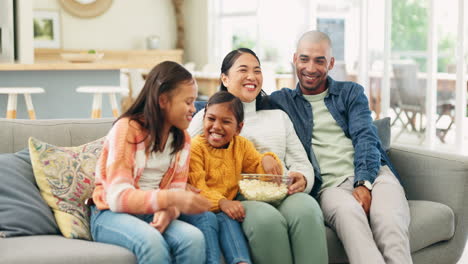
[[271, 166], [233, 209], [192, 188], [188, 202], [161, 220], [298, 184]]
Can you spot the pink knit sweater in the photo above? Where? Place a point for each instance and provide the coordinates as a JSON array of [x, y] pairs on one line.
[[121, 165]]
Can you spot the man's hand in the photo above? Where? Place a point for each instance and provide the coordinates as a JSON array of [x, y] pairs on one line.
[[299, 182], [271, 166], [233, 209], [364, 197]]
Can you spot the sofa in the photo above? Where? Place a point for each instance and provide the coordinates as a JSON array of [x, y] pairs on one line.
[[436, 185]]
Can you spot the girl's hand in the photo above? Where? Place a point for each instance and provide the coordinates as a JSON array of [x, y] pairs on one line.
[[299, 182], [192, 188], [161, 220], [188, 202], [270, 165], [233, 209]]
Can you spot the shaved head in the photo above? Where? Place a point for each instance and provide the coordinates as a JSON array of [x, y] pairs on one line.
[[314, 36], [313, 60]]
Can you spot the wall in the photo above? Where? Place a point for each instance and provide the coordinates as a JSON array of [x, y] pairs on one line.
[[197, 13], [124, 26]]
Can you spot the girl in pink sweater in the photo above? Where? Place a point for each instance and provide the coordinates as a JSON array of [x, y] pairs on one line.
[[142, 174]]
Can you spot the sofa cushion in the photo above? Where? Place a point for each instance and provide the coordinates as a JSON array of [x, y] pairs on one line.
[[431, 222], [38, 249], [23, 212], [65, 176], [383, 131]]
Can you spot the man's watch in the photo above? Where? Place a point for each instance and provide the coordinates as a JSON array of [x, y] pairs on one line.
[[366, 184]]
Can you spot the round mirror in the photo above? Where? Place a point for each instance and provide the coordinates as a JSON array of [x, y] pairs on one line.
[[86, 8]]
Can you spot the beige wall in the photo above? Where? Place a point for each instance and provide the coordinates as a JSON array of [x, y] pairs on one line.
[[127, 24], [196, 32], [124, 26]]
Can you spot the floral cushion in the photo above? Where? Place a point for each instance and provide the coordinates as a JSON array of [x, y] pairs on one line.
[[65, 177]]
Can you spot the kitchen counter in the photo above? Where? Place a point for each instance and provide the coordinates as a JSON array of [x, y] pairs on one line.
[[49, 59]]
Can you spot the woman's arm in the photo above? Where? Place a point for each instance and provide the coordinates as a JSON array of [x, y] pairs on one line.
[[196, 126], [296, 158]]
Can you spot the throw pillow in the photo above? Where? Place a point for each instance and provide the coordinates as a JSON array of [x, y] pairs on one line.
[[383, 131], [65, 176], [23, 212]]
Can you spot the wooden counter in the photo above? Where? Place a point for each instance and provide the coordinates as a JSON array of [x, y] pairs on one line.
[[49, 59]]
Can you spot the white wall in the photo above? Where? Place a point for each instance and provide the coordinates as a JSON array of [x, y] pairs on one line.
[[124, 26], [196, 32]]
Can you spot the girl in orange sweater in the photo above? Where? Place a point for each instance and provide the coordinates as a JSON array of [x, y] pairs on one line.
[[146, 153], [218, 157]]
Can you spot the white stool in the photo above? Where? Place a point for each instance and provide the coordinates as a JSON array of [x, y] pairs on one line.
[[97, 97], [12, 99]]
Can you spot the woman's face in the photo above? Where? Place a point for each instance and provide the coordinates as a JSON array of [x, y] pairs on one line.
[[178, 107], [244, 78]]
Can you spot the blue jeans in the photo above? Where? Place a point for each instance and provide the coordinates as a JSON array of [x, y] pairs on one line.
[[180, 243], [221, 232]]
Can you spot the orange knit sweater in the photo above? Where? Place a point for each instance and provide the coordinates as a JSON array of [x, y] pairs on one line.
[[216, 172]]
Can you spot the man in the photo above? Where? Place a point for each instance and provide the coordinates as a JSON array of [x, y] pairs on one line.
[[360, 196]]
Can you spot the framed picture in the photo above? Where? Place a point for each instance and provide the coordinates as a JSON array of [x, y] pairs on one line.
[[46, 29]]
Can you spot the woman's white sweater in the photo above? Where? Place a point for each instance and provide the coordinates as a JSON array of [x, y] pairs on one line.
[[270, 130]]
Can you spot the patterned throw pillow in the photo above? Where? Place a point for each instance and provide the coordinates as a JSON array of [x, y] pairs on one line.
[[65, 176]]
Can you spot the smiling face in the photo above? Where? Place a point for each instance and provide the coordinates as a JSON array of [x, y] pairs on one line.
[[313, 60], [220, 125], [244, 79], [178, 105]]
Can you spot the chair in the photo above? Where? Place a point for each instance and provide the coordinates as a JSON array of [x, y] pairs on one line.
[[97, 92], [12, 99], [410, 97]]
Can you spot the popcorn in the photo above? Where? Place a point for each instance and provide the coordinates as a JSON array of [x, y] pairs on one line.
[[262, 190]]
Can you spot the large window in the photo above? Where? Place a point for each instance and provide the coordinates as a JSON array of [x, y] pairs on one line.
[[403, 51]]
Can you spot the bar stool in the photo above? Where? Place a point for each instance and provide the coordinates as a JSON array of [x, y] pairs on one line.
[[97, 92], [13, 96]]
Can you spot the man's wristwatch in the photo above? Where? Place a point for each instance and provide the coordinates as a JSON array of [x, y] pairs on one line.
[[366, 184]]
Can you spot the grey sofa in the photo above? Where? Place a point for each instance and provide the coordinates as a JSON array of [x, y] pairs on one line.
[[436, 184]]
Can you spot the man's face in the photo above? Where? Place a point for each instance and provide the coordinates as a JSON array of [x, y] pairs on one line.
[[313, 61]]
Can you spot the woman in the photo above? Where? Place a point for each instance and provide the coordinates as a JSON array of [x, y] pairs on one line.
[[293, 231]]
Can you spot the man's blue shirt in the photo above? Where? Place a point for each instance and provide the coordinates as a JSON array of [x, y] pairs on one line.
[[349, 106]]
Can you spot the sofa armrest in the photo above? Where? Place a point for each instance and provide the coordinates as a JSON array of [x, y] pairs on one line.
[[438, 177]]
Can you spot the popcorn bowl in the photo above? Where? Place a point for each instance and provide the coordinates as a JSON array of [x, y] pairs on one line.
[[268, 188]]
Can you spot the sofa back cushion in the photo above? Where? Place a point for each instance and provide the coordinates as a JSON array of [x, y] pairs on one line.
[[23, 212], [14, 133]]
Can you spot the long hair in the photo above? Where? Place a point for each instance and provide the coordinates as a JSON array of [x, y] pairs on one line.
[[162, 79], [261, 101], [235, 104]]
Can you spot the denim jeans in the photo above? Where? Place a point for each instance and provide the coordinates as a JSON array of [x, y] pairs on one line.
[[221, 232], [180, 243]]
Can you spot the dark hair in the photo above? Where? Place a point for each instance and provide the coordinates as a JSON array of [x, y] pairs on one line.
[[262, 98], [236, 106], [162, 79]]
